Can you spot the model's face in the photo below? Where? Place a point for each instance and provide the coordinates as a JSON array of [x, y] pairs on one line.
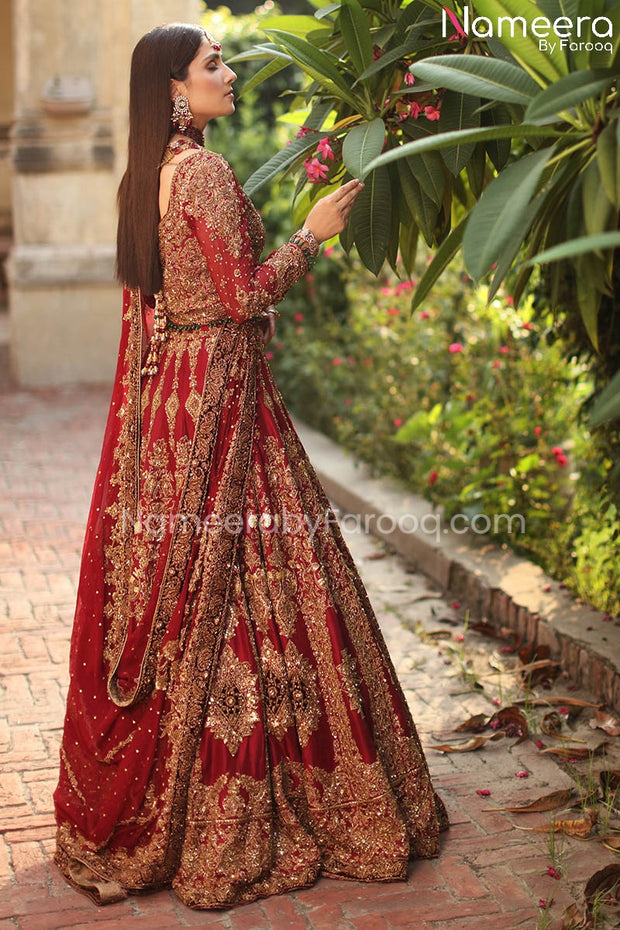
[[208, 86]]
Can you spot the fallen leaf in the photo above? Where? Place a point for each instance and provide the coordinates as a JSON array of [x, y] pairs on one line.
[[574, 752], [474, 743], [604, 881], [512, 720], [438, 634], [547, 802], [611, 841], [551, 723], [555, 702], [574, 826], [573, 918], [605, 721], [475, 724]]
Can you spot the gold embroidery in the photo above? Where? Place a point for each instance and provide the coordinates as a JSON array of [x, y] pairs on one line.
[[234, 701]]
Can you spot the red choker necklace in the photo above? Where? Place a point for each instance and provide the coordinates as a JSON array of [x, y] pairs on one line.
[[196, 135]]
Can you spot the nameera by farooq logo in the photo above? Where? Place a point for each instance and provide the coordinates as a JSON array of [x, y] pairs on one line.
[[565, 30]]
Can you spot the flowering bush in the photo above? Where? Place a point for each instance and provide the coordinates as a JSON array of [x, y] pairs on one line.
[[472, 405]]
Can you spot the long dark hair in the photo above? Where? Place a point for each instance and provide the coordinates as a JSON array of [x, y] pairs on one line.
[[163, 53]]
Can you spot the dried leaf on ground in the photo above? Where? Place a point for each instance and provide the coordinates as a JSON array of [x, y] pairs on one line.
[[556, 702], [603, 720], [610, 841], [547, 802], [574, 752], [438, 634], [574, 918], [474, 743], [512, 721], [551, 724], [605, 881], [475, 724], [573, 826]]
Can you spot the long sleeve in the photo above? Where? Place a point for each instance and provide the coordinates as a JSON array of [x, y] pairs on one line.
[[218, 213]]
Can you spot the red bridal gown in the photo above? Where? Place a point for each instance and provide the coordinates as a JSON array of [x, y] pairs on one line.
[[234, 723]]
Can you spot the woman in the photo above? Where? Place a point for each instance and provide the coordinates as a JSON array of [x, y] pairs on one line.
[[234, 723]]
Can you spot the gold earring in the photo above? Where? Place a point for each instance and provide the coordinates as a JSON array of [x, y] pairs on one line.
[[182, 116]]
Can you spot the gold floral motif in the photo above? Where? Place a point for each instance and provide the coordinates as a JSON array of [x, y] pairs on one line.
[[234, 701]]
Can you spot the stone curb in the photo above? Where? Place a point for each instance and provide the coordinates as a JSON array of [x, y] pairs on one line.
[[493, 582]]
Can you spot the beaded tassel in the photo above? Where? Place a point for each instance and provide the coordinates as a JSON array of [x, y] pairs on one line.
[[160, 335]]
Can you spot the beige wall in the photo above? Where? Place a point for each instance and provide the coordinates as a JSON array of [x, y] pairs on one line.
[[64, 305]]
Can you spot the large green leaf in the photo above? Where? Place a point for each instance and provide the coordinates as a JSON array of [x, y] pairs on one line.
[[608, 155], [371, 219], [525, 48], [498, 149], [607, 406], [320, 65], [296, 25], [361, 145], [501, 211], [355, 27], [568, 92], [513, 245], [280, 162], [446, 139], [442, 258], [260, 52], [264, 73], [599, 214], [420, 206], [579, 246], [395, 54], [458, 111], [483, 77]]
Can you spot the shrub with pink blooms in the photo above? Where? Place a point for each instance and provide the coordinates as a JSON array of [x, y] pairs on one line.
[[470, 405]]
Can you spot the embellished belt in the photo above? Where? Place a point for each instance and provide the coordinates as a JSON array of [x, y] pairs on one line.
[[190, 327]]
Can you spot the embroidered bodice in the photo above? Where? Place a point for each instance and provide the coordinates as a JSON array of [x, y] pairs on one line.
[[210, 242]]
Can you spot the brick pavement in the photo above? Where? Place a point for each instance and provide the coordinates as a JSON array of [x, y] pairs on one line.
[[490, 875]]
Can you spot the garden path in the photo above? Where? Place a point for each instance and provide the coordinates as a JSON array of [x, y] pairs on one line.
[[490, 876]]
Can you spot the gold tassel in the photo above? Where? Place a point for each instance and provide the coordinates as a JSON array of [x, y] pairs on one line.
[[159, 337]]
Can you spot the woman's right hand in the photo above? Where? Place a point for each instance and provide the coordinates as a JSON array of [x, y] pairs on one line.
[[330, 215]]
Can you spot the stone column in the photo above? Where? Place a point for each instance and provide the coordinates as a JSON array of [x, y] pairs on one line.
[[68, 151]]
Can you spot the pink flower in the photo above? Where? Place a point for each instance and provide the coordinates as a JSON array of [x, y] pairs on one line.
[[347, 401], [278, 345], [537, 430], [337, 361], [563, 710], [376, 52], [455, 347], [432, 113], [386, 291], [269, 355], [403, 286], [459, 638], [561, 460], [315, 171], [504, 350], [496, 701], [552, 872], [398, 422], [414, 110], [432, 478], [303, 132], [455, 605], [409, 79], [483, 792], [522, 774], [424, 315], [527, 326], [557, 450], [325, 150], [393, 311], [328, 251], [542, 904], [540, 744], [510, 301], [497, 364], [298, 317], [455, 22]]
